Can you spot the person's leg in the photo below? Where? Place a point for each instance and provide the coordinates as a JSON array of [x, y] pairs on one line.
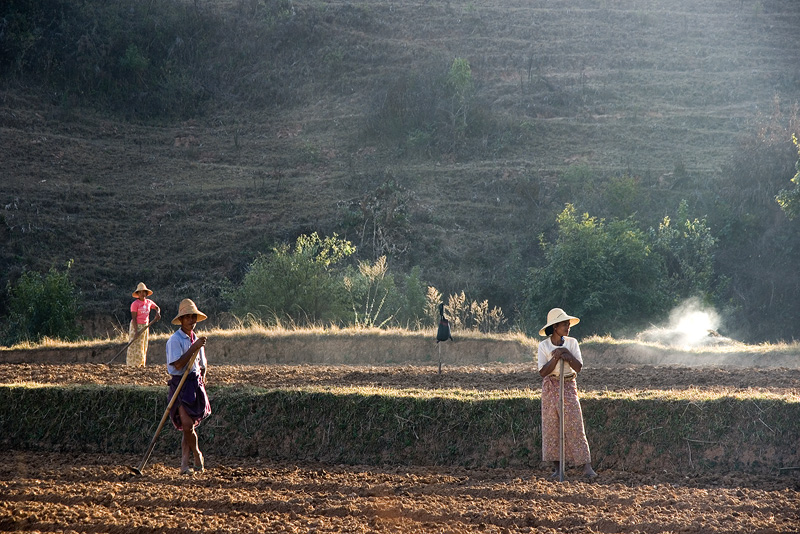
[[145, 342], [137, 351], [576, 444], [550, 422], [189, 441], [588, 471], [130, 355]]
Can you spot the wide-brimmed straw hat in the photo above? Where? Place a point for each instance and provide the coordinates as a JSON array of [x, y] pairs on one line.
[[556, 315], [141, 287], [188, 307]]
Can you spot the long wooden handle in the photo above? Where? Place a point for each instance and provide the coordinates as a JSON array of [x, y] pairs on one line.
[[561, 421], [135, 337]]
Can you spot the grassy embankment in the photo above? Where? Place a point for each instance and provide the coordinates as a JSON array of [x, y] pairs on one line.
[[685, 431], [682, 432]]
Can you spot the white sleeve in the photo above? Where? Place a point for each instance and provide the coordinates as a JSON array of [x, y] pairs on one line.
[[544, 354], [575, 349]]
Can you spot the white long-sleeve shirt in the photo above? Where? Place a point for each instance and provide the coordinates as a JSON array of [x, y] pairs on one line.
[[546, 349]]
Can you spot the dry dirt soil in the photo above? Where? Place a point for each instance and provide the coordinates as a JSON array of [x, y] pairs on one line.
[[99, 493], [489, 376]]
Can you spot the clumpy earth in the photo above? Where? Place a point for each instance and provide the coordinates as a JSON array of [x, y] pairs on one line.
[[66, 493], [56, 492], [492, 376]]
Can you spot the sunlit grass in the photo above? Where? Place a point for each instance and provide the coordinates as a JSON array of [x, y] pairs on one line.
[[471, 395], [694, 394], [251, 327], [687, 395], [256, 329], [259, 329], [48, 343], [461, 394]]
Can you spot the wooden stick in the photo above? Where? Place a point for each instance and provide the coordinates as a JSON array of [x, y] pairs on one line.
[[138, 470], [561, 421], [135, 337]]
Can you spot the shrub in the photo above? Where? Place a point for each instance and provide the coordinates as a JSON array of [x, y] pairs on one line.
[[687, 247], [789, 199], [460, 90], [372, 292], [621, 194], [299, 285], [432, 300], [605, 273], [377, 300], [42, 306], [412, 312]]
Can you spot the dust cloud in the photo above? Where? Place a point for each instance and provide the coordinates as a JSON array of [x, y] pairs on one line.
[[691, 325]]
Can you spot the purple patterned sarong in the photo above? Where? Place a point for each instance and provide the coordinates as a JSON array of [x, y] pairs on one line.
[[193, 397]]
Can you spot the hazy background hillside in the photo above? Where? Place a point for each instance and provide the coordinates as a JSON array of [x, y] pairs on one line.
[[170, 142]]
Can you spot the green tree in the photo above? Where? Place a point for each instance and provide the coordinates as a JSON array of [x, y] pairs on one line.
[[42, 306], [789, 199], [605, 273], [300, 285], [687, 247]]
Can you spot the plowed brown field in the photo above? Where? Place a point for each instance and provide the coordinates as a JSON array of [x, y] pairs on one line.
[[98, 493], [490, 376]]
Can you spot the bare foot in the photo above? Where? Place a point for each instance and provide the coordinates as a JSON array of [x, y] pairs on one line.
[[588, 472], [185, 465]]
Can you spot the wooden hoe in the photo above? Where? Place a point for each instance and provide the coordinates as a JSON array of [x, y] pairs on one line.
[[138, 470], [561, 421], [135, 337]]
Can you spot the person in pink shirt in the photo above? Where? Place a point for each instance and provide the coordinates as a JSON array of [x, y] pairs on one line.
[[140, 320]]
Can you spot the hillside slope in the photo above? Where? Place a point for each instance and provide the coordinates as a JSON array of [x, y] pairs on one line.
[[289, 141]]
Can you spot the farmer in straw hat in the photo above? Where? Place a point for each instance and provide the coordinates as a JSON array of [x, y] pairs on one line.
[[192, 406], [556, 347], [140, 319]]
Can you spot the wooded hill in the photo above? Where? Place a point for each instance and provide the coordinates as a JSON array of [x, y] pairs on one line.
[[171, 142]]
